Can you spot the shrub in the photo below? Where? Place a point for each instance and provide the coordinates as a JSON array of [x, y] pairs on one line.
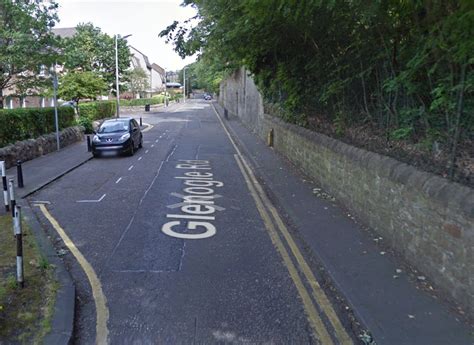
[[97, 110], [29, 123], [142, 101]]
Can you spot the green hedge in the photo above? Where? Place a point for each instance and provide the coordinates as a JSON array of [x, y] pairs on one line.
[[97, 110], [142, 101], [30, 123], [93, 111]]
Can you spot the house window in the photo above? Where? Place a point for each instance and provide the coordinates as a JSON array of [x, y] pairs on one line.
[[9, 102]]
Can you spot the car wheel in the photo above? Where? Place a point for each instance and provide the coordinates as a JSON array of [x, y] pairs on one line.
[[132, 148], [141, 143], [95, 155]]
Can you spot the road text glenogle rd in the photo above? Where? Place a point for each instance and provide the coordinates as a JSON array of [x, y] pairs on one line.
[[197, 205]]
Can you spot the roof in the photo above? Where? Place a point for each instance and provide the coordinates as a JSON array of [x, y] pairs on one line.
[[147, 61], [64, 32], [158, 68]]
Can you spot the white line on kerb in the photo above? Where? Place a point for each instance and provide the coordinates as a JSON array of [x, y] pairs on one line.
[[99, 200], [118, 180], [140, 158], [131, 167]]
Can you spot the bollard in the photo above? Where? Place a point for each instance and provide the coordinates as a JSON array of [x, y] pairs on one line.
[[11, 186], [19, 174], [19, 246], [226, 113], [270, 138], [3, 169], [89, 148], [141, 123]]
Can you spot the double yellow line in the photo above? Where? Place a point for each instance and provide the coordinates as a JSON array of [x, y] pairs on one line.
[[280, 235]]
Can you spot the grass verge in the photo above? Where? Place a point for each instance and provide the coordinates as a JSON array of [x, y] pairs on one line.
[[25, 313]]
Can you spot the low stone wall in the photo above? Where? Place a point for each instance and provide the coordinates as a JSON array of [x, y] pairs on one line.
[[426, 218], [29, 149]]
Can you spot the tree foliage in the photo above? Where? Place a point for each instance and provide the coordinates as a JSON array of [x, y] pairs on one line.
[[77, 85], [205, 74], [404, 67], [26, 42], [92, 50], [139, 81]]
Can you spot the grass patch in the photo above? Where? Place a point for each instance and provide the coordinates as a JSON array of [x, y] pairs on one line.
[[25, 314]]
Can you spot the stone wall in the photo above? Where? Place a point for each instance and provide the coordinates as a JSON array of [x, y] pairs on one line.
[[32, 148], [426, 218]]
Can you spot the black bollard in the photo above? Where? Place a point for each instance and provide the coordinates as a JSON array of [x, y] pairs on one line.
[[19, 174], [141, 123], [89, 149], [226, 114]]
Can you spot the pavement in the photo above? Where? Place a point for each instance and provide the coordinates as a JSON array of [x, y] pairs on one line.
[[383, 292], [37, 174], [393, 310]]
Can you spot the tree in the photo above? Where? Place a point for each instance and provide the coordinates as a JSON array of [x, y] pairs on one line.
[[78, 85], [404, 69], [26, 42], [92, 50], [139, 80]]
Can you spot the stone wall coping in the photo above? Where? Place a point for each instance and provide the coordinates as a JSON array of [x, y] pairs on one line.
[[441, 189]]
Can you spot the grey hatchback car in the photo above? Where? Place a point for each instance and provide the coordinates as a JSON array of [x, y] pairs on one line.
[[117, 136]]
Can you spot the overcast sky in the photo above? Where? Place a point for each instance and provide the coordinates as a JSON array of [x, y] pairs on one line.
[[144, 19]]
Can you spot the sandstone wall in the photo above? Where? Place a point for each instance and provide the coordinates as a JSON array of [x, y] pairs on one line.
[[32, 148], [426, 218]]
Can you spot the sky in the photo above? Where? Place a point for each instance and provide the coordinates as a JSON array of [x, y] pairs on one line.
[[144, 19]]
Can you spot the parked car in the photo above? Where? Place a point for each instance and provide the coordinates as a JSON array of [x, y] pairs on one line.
[[117, 136], [207, 97]]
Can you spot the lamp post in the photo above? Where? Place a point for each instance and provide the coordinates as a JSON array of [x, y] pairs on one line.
[[117, 72], [55, 98], [184, 84], [166, 90]]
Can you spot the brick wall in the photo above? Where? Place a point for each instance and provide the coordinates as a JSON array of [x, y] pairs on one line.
[[426, 218]]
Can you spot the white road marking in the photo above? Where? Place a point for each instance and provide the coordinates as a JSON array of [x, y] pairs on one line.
[[152, 145], [171, 153], [157, 140], [140, 158], [148, 127], [131, 167], [99, 200], [119, 179], [41, 202], [147, 151]]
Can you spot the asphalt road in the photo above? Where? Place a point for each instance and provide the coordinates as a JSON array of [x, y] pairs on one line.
[[178, 243]]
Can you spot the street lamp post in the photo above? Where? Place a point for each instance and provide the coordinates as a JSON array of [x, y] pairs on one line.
[[55, 98], [184, 84], [117, 73]]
